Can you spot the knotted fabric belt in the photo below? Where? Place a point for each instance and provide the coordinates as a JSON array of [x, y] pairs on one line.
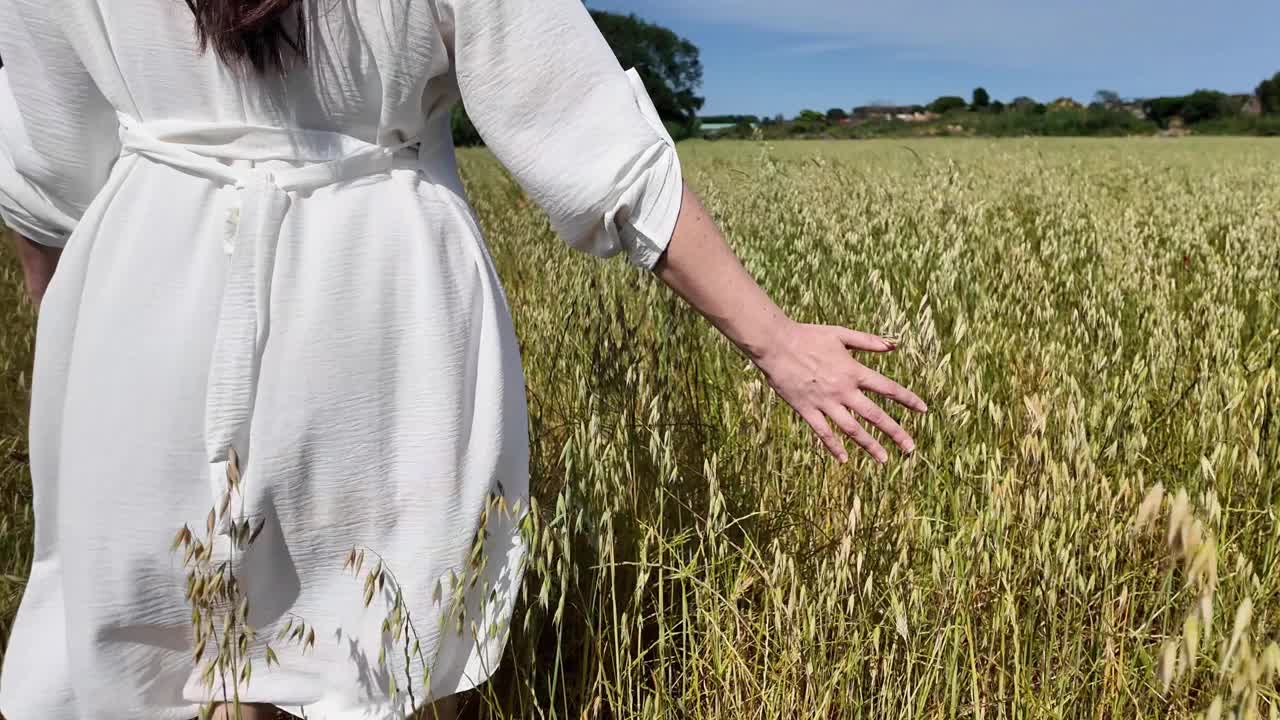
[[253, 232]]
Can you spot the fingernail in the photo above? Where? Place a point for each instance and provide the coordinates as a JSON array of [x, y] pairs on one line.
[[909, 448], [843, 458], [883, 457]]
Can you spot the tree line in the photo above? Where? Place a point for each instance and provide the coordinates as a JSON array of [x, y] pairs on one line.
[[1202, 112]]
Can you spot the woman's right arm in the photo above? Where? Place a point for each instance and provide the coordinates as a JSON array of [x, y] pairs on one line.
[[37, 227], [38, 263], [59, 137]]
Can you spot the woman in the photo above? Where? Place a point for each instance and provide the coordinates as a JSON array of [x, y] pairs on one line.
[[268, 259]]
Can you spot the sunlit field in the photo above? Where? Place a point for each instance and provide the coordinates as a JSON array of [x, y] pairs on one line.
[[1088, 527]]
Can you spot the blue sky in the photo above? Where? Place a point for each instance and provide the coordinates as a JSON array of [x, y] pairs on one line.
[[782, 56]]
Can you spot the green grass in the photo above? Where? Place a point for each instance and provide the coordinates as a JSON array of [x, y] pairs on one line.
[[1089, 320], [16, 339]]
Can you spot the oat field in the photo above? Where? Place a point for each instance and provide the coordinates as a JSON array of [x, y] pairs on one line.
[[1088, 529]]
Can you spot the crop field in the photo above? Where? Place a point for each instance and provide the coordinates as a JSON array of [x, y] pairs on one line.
[[1089, 528]]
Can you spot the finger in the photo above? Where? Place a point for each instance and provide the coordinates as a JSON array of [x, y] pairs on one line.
[[872, 413], [867, 342], [824, 433], [849, 426], [881, 385]]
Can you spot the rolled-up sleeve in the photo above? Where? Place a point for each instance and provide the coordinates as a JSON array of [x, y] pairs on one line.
[[58, 135], [579, 134], [24, 206]]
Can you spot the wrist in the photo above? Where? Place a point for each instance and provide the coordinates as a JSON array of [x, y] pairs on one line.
[[764, 341]]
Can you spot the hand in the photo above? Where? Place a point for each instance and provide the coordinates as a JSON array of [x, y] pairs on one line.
[[809, 366], [38, 264]]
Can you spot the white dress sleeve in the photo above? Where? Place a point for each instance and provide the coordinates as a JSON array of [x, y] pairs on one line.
[[24, 206], [580, 135], [58, 135]]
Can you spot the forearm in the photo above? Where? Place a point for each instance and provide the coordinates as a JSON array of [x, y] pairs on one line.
[[700, 267], [809, 366]]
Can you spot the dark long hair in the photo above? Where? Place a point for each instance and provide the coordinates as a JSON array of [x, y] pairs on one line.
[[252, 33]]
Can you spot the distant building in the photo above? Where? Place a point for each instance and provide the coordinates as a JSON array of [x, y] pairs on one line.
[[916, 117], [711, 130], [904, 113], [1133, 107], [879, 112]]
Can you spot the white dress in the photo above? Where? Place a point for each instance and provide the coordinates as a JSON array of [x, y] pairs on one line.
[[289, 267]]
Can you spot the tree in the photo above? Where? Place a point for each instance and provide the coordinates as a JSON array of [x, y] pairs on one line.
[[1197, 107], [1162, 109], [947, 103], [1022, 102], [836, 114], [1268, 93], [668, 64], [728, 119], [997, 107], [981, 99], [809, 121], [1108, 98], [1204, 105]]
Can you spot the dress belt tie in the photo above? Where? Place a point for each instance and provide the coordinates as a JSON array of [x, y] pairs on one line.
[[253, 233]]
